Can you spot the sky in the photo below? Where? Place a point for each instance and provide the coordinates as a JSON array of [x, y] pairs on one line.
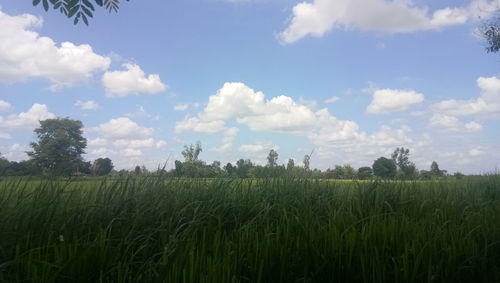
[[348, 80]]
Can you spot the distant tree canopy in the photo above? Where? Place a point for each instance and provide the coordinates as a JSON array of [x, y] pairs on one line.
[[192, 152], [365, 173], [272, 158], [60, 146], [79, 9], [384, 168], [407, 169], [102, 166], [491, 32]]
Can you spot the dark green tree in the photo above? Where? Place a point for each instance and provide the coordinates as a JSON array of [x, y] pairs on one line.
[[290, 165], [407, 169], [4, 165], [192, 152], [435, 171], [60, 146], [102, 166], [365, 173], [79, 9], [490, 30], [137, 170], [229, 168], [384, 168], [243, 167], [178, 168], [306, 161], [272, 158]]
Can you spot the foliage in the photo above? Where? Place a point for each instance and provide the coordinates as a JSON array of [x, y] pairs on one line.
[[192, 152], [272, 158], [384, 168], [491, 32], [102, 166], [79, 9], [243, 167], [306, 161], [266, 230], [365, 173], [407, 169], [435, 171], [59, 147]]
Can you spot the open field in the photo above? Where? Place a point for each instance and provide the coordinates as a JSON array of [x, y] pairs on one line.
[[234, 230]]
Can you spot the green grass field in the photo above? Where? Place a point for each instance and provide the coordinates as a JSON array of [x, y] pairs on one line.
[[267, 230]]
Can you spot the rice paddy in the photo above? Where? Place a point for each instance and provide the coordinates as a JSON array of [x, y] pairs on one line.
[[158, 229]]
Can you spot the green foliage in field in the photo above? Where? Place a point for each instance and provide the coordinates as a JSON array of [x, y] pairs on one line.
[[254, 230]]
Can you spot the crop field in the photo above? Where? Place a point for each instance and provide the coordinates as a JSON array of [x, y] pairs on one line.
[[157, 229]]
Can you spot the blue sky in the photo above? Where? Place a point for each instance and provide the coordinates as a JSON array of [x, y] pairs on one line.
[[351, 80]]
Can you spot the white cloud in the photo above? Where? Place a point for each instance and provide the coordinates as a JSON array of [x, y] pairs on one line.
[[25, 54], [27, 120], [332, 99], [142, 113], [181, 107], [227, 140], [487, 104], [4, 106], [389, 16], [236, 101], [392, 100], [131, 81], [123, 128], [15, 152], [465, 157], [452, 123], [5, 136], [196, 124], [87, 105], [97, 142], [257, 148], [126, 143], [139, 143]]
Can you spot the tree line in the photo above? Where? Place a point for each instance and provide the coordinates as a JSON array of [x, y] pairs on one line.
[[60, 145]]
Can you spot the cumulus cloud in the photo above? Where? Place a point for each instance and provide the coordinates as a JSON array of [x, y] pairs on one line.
[[181, 107], [142, 113], [131, 81], [487, 104], [257, 148], [392, 100], [87, 105], [227, 139], [332, 99], [465, 157], [125, 142], [15, 152], [389, 16], [453, 124], [5, 136], [123, 128], [237, 103], [4, 106], [27, 120], [25, 54]]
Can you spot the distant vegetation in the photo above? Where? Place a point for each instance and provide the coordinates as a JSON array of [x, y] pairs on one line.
[[60, 144], [216, 223]]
